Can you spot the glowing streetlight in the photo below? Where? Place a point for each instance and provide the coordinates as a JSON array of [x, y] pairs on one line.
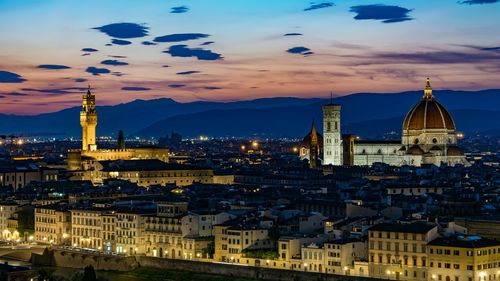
[[295, 149], [255, 144]]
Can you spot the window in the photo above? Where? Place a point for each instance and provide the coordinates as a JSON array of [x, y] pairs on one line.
[[456, 266], [470, 267]]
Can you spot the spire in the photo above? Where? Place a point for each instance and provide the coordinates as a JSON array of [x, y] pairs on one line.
[[88, 90], [428, 90], [331, 97], [314, 132]]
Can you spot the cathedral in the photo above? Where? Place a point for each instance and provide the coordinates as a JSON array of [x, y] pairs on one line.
[[83, 159], [428, 137]]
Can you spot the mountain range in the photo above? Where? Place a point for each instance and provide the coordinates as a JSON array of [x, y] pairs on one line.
[[365, 114]]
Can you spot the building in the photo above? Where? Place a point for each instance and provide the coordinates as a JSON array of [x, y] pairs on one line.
[[463, 258], [340, 255], [146, 172], [233, 239], [80, 158], [332, 147], [52, 225], [311, 148], [428, 137], [86, 228], [398, 251], [7, 211], [18, 175]]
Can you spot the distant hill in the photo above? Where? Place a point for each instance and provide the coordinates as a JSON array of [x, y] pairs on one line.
[[369, 114]]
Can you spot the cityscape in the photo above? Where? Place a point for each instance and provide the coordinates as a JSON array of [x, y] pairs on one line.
[[128, 154]]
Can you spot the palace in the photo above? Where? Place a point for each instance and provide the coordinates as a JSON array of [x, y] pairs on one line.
[[428, 137], [83, 159]]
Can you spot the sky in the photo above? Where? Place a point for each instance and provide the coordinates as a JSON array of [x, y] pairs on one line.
[[227, 50]]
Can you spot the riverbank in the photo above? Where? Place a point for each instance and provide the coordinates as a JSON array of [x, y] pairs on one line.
[[142, 274]]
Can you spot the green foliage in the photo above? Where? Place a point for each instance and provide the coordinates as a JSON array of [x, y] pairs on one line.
[[260, 254], [26, 221], [210, 250], [89, 274], [274, 233]]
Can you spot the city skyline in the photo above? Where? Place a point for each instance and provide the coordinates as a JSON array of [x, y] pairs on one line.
[[194, 50]]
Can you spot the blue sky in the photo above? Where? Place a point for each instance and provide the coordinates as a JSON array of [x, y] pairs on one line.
[[239, 49]]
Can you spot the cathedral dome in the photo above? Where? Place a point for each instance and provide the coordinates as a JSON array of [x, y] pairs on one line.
[[428, 113]]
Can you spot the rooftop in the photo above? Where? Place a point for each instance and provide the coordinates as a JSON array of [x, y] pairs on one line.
[[408, 228], [464, 242]]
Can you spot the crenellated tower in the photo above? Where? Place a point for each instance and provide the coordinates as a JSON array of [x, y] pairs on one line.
[[88, 121]]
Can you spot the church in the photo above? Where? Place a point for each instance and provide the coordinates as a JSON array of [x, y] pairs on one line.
[[428, 137], [84, 158]]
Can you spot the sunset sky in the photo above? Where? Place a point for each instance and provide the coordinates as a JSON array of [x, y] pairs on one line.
[[225, 50]]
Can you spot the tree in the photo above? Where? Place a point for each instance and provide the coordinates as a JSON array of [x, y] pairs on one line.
[[89, 274], [121, 140], [26, 222]]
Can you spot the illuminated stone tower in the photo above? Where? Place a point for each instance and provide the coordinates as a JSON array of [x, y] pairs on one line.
[[88, 121], [332, 144], [314, 148]]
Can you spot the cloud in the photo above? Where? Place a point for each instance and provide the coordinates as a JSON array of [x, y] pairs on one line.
[[16, 94], [79, 80], [118, 57], [433, 57], [211, 88], [58, 91], [177, 85], [385, 13], [475, 2], [118, 73], [10, 77], [113, 62], [89, 50], [53, 66], [85, 54], [207, 43], [165, 65], [135, 89], [120, 42], [184, 51], [490, 49], [124, 30], [179, 10], [300, 50], [293, 34], [319, 6], [179, 37], [187, 72], [97, 71], [148, 43]]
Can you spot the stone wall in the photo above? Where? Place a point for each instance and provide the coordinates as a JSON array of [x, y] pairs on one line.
[[72, 259], [61, 258]]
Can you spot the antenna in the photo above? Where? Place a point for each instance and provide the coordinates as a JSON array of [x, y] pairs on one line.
[[331, 97]]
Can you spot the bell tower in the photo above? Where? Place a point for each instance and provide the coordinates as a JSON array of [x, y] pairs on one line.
[[88, 121], [332, 142]]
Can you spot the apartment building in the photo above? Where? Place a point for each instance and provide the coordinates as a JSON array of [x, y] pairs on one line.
[[53, 225], [463, 258], [398, 251], [232, 239], [7, 210]]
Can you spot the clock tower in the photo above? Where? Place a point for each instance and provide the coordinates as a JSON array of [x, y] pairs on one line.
[[88, 121]]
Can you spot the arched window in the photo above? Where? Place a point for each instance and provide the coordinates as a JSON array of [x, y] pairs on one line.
[[434, 140]]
